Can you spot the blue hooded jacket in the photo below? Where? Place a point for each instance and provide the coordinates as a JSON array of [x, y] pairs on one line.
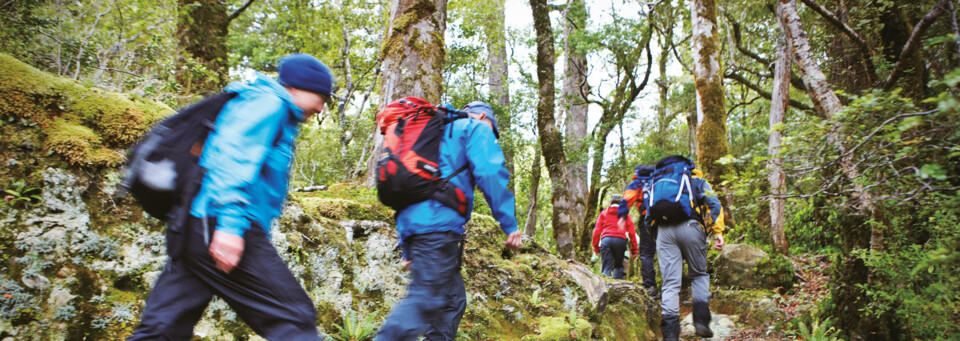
[[465, 142], [247, 164]]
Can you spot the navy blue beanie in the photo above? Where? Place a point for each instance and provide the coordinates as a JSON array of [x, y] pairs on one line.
[[479, 107], [305, 72]]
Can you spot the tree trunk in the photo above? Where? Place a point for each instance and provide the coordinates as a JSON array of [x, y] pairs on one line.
[[530, 226], [778, 107], [660, 137], [575, 114], [500, 86], [711, 110], [345, 133], [663, 83], [413, 53], [551, 142], [692, 134], [202, 29]]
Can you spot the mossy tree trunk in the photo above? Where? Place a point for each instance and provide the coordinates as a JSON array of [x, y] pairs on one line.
[[575, 114], [551, 141], [711, 109], [202, 28], [413, 53], [500, 84], [778, 108]]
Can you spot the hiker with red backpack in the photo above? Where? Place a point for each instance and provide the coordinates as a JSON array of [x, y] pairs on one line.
[[647, 235], [433, 157], [686, 215], [219, 238], [610, 239]]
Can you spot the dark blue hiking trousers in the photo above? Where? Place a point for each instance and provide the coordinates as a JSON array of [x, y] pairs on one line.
[[260, 289], [436, 297], [611, 256], [647, 236]]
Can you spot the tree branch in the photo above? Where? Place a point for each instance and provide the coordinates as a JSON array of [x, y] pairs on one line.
[[736, 40], [796, 81], [240, 10], [846, 29], [740, 79], [913, 43]]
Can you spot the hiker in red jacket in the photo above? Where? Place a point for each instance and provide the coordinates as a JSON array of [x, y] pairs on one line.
[[610, 241]]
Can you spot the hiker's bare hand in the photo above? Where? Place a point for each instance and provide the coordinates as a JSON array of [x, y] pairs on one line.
[[622, 223], [718, 243], [514, 240], [226, 250], [406, 264]]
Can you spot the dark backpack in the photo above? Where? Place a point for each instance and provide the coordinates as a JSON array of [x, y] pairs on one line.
[[408, 171], [644, 174], [671, 196], [163, 169]]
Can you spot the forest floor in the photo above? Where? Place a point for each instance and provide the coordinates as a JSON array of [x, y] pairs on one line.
[[810, 290]]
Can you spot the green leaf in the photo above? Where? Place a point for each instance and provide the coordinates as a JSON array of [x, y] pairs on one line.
[[726, 160], [933, 170], [910, 122]]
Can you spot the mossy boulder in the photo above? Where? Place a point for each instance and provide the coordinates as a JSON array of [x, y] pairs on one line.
[[86, 126], [747, 267], [754, 307]]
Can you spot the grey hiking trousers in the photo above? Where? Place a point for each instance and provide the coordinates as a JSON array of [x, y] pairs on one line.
[[676, 243]]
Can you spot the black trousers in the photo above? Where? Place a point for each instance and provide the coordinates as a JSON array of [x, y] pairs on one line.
[[611, 253], [260, 289], [648, 249], [436, 297]]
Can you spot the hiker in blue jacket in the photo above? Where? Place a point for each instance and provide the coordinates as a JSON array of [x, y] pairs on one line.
[[685, 239], [432, 233], [228, 251]]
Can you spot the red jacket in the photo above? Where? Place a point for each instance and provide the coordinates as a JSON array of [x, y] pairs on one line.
[[607, 227]]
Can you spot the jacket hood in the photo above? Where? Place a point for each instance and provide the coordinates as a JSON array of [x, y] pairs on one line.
[[612, 210], [264, 84]]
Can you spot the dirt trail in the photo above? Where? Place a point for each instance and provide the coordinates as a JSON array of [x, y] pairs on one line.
[[809, 291]]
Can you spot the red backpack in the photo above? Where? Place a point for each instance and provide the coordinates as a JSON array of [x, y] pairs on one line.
[[408, 171]]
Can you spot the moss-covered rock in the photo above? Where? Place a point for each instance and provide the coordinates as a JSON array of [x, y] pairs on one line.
[[754, 307], [86, 126], [747, 267]]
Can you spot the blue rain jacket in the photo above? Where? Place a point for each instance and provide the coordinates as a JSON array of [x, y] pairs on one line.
[[465, 141], [247, 173]]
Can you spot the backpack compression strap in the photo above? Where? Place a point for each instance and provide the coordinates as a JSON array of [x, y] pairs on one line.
[[449, 195]]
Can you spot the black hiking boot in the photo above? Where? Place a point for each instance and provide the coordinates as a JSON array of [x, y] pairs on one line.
[[670, 327], [701, 319], [652, 292]]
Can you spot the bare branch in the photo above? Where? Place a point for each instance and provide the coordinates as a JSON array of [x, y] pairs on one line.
[[846, 29], [913, 43], [740, 79], [239, 11]]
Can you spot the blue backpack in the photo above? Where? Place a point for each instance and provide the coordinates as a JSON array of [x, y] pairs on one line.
[[670, 196]]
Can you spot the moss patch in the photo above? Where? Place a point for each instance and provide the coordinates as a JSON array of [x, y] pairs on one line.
[[87, 126], [560, 328], [344, 209]]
